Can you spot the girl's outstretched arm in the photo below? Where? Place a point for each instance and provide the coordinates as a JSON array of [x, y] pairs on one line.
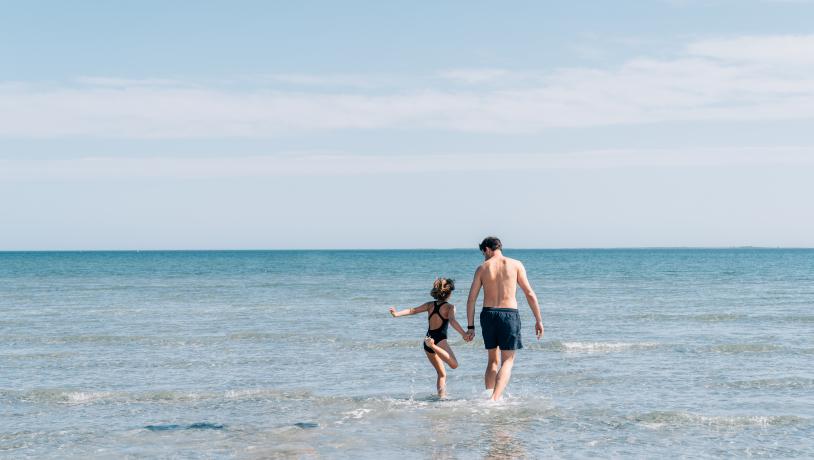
[[454, 322], [409, 311]]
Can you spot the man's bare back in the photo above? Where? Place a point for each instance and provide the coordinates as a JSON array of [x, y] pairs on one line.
[[498, 276]]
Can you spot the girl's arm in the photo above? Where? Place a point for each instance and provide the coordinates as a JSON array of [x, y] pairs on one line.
[[409, 311], [454, 322]]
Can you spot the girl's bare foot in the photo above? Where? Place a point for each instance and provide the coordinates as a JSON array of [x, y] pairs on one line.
[[442, 392]]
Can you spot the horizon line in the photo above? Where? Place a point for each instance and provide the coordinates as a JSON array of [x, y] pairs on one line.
[[574, 248]]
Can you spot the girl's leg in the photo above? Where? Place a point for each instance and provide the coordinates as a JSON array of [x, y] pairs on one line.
[[441, 382], [443, 351]]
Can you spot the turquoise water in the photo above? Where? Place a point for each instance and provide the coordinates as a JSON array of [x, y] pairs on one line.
[[696, 353]]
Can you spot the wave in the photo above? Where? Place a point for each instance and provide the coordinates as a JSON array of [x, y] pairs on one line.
[[785, 383], [17, 356], [598, 347], [265, 393], [702, 317], [363, 299], [258, 336], [159, 340], [617, 347], [113, 340], [73, 397], [721, 317], [679, 419], [801, 318], [746, 348], [391, 344]]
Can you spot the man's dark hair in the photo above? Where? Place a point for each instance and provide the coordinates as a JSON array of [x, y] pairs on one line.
[[491, 242]]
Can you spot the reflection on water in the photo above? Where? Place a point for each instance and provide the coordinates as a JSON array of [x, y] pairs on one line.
[[504, 443]]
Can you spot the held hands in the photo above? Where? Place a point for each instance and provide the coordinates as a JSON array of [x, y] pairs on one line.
[[538, 329], [469, 335]]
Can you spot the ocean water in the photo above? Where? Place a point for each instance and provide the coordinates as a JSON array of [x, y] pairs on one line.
[[292, 354]]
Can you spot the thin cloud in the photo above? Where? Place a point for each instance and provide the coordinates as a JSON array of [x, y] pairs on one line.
[[794, 50], [333, 80], [127, 82], [342, 164], [738, 79], [473, 76]]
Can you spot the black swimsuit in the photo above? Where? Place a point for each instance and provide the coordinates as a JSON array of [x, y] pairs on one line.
[[437, 334]]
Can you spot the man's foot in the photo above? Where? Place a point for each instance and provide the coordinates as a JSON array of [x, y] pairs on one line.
[[429, 342]]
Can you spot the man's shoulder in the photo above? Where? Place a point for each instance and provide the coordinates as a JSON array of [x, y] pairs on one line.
[[514, 263]]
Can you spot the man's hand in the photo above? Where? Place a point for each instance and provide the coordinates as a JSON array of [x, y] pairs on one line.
[[392, 311], [470, 335], [538, 329]]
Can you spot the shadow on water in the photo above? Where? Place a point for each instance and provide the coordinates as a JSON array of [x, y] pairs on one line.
[[193, 426], [306, 425]]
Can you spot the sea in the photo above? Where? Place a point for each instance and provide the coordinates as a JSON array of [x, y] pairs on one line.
[[647, 353]]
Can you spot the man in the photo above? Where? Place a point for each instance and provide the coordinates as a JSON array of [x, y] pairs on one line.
[[499, 319]]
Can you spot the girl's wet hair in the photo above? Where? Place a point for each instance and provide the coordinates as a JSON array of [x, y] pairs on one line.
[[442, 288]]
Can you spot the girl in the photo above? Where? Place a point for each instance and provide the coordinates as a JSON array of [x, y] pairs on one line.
[[441, 314]]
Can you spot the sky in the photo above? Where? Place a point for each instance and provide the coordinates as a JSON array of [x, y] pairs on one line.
[[403, 124]]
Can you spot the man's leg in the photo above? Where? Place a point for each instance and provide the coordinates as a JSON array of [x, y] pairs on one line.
[[504, 374], [491, 368]]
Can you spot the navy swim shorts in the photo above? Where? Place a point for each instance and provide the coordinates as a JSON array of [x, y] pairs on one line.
[[501, 328]]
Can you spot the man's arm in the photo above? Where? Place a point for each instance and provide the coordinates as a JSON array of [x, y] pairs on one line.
[[474, 291], [531, 298]]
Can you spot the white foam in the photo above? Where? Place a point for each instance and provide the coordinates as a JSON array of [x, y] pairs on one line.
[[82, 397], [249, 392], [658, 420], [605, 347], [357, 413]]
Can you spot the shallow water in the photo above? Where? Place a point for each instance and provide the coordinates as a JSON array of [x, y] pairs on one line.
[[696, 353]]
